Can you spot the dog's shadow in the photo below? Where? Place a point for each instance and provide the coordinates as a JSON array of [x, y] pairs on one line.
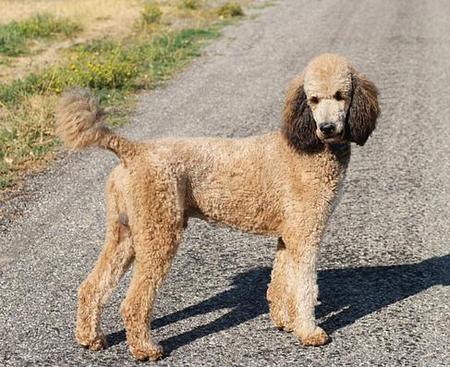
[[346, 295]]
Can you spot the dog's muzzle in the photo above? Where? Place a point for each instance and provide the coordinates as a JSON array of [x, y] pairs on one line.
[[327, 129]]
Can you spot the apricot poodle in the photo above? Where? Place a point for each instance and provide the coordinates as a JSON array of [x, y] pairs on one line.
[[283, 183]]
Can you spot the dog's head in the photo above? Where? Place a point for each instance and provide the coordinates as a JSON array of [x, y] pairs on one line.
[[329, 103]]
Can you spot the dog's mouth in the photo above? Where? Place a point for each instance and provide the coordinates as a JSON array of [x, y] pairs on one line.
[[334, 140], [331, 138]]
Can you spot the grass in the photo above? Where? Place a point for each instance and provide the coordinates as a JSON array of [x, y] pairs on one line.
[[14, 35], [230, 10], [110, 65], [114, 67], [151, 13], [189, 4], [99, 19]]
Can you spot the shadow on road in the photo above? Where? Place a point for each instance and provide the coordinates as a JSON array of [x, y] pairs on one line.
[[358, 292], [346, 295]]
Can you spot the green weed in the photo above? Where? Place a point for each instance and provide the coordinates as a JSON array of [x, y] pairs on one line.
[[113, 65], [113, 69], [230, 10], [14, 35], [27, 137], [189, 4], [151, 13]]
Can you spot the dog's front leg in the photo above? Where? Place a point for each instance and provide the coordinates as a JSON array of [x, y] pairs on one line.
[[300, 263], [303, 271]]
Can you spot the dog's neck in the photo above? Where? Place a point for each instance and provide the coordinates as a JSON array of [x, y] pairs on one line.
[[312, 146], [341, 151], [325, 165]]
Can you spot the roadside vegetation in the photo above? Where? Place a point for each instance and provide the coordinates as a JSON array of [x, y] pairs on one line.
[[43, 53], [15, 35]]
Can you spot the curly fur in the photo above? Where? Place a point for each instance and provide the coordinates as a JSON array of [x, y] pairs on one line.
[[283, 183], [78, 116], [364, 109], [299, 125], [79, 124]]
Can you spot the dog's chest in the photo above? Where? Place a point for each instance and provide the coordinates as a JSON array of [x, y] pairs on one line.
[[339, 191], [327, 178]]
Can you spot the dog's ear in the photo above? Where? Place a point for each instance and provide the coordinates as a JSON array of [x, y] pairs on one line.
[[364, 109], [299, 126]]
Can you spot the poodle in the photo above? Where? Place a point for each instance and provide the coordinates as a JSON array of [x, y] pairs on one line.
[[283, 183]]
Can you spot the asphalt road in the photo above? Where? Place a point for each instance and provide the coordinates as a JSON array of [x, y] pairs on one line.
[[385, 261]]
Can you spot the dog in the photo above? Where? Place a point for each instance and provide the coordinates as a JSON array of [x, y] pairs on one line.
[[283, 183]]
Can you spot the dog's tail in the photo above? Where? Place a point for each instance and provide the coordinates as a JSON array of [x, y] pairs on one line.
[[79, 125]]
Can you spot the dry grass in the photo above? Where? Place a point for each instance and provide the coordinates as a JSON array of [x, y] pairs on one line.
[[98, 19], [26, 138], [124, 46]]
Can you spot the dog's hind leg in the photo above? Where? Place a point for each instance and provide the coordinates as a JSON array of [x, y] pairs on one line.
[[156, 226], [150, 267], [113, 262]]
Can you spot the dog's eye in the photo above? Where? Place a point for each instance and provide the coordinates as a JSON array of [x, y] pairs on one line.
[[314, 100], [338, 96]]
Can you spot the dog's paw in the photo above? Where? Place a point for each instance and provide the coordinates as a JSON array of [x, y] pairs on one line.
[[281, 323], [152, 352], [93, 344], [278, 312], [317, 338]]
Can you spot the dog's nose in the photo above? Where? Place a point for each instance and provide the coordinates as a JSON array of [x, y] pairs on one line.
[[327, 128]]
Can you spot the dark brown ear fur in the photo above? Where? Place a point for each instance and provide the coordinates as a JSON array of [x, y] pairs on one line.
[[299, 126], [363, 111]]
